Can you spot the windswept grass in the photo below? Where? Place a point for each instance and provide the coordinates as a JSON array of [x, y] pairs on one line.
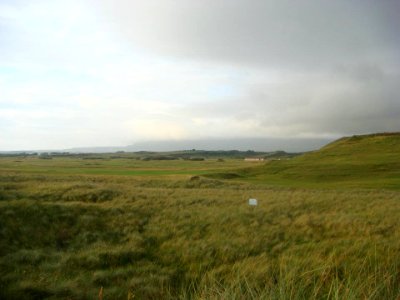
[[66, 236]]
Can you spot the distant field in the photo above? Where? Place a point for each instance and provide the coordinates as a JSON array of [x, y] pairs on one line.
[[107, 166], [161, 230]]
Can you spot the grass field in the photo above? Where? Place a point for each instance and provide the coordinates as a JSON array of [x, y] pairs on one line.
[[327, 226]]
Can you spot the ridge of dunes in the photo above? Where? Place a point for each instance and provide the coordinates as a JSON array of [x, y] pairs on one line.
[[359, 161]]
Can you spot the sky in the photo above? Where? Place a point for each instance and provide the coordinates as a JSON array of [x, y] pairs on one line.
[[115, 72]]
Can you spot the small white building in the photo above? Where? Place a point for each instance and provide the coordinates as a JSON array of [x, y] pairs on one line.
[[254, 159]]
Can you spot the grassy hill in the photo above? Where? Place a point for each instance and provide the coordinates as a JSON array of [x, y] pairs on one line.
[[361, 161]]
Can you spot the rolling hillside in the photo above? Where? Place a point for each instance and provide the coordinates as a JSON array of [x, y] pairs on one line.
[[361, 161]]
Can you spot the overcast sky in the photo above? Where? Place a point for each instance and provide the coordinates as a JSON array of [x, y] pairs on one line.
[[115, 72]]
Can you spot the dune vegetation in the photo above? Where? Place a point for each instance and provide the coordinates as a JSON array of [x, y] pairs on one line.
[[327, 226], [366, 161]]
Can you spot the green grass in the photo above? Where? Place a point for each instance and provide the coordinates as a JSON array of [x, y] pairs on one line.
[[126, 167], [170, 234], [371, 161]]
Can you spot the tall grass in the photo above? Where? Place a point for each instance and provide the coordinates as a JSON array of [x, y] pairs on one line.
[[178, 237]]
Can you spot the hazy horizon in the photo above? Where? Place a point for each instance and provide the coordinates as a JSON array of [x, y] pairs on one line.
[[104, 73], [241, 144]]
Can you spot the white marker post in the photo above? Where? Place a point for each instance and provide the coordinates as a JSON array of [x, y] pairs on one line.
[[253, 202]]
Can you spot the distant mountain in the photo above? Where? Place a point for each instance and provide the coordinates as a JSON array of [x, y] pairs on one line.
[[95, 149], [242, 144]]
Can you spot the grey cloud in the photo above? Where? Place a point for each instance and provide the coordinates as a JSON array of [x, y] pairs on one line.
[[337, 103], [274, 34], [346, 108], [337, 62]]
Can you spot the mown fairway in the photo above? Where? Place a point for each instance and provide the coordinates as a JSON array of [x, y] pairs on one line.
[[161, 230]]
